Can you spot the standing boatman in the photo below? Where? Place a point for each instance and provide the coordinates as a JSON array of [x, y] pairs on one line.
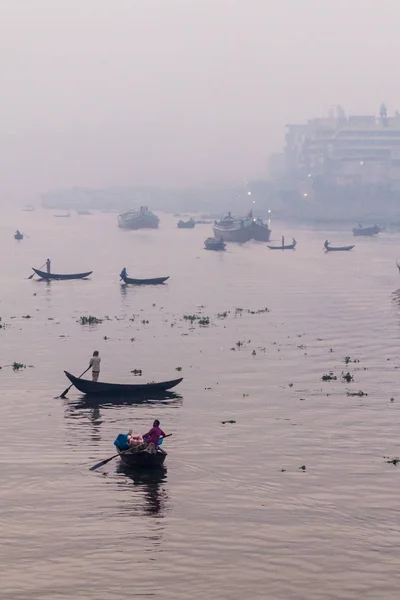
[[48, 265]]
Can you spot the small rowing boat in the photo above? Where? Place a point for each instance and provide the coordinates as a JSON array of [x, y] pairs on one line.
[[153, 281], [58, 276], [291, 246], [142, 460], [213, 244], [329, 248], [131, 389], [186, 224]]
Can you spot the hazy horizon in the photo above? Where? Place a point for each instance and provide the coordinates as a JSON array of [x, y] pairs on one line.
[[178, 93]]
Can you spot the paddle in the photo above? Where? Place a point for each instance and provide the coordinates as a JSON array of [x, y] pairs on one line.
[[65, 392], [33, 274], [106, 460]]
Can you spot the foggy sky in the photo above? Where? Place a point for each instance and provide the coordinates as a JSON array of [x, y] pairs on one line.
[[178, 92]]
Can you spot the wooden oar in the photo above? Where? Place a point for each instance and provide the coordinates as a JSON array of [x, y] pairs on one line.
[[33, 274], [65, 392], [106, 460]]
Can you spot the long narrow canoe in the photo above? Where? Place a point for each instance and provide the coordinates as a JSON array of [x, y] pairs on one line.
[[154, 281], [97, 387], [45, 275], [288, 247], [338, 248]]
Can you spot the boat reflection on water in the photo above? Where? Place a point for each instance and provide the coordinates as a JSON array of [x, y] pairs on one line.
[[111, 400], [148, 485]]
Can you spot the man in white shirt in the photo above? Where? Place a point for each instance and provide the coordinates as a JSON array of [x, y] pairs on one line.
[[95, 364]]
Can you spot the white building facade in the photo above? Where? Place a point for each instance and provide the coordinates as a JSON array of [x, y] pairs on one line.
[[344, 151]]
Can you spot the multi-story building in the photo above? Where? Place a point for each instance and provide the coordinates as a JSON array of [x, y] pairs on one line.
[[344, 151]]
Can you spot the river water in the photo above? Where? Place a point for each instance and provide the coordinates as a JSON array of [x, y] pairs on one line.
[[233, 515]]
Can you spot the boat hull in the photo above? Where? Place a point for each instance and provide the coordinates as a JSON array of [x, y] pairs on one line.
[[260, 232], [59, 277], [186, 224], [142, 460], [97, 387], [18, 237], [213, 244], [154, 281], [366, 231], [289, 247], [339, 248], [239, 235]]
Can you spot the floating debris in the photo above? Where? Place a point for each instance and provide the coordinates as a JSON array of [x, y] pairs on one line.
[[178, 368], [90, 320], [17, 366], [137, 372], [329, 377], [26, 317], [348, 360], [303, 467], [224, 422], [360, 394], [392, 461], [347, 377]]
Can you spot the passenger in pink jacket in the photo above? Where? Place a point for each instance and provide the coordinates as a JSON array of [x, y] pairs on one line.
[[154, 435]]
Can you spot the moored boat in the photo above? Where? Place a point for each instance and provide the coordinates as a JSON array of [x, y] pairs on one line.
[[366, 231], [259, 230], [186, 224], [58, 276], [138, 219], [120, 389], [66, 215], [329, 248], [233, 230], [213, 244], [242, 230]]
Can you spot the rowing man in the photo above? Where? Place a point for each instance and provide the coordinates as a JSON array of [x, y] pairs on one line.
[[95, 364]]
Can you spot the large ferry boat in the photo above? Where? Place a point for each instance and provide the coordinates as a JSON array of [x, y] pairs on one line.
[[241, 230], [138, 219]]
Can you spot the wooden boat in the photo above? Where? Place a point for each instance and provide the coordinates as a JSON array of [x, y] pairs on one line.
[[367, 231], [287, 247], [58, 276], [130, 389], [142, 460], [18, 236], [213, 244], [154, 281], [186, 224], [337, 248]]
